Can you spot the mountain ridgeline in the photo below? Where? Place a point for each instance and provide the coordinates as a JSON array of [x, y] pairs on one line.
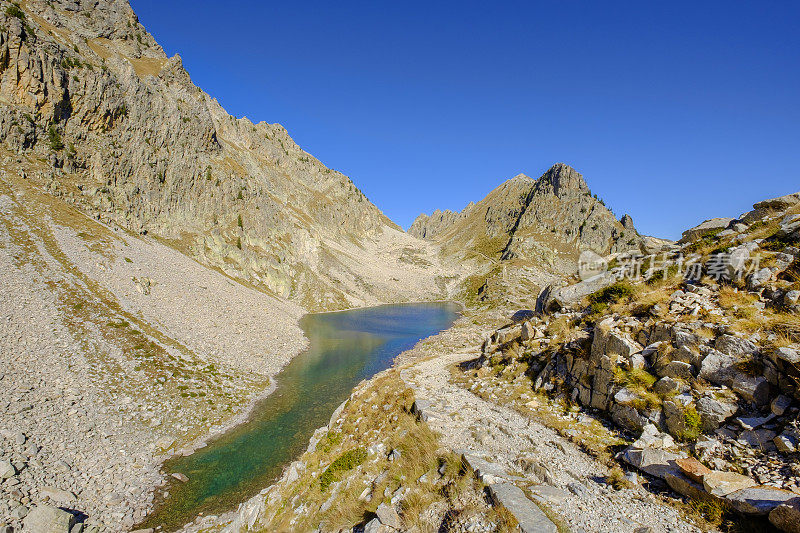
[[525, 218], [95, 112]]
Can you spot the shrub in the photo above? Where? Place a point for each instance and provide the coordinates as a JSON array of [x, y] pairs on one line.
[[636, 378], [599, 301], [54, 138], [691, 422], [239, 242], [239, 221], [345, 462], [15, 11]]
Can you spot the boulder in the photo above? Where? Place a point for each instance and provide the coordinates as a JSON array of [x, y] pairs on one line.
[[530, 518], [757, 438], [692, 468], [714, 224], [714, 411], [687, 487], [7, 470], [723, 483], [388, 516], [786, 516], [652, 438], [551, 299], [528, 332], [780, 404], [654, 461], [758, 500], [757, 279], [781, 203], [754, 389], [735, 346], [49, 519], [788, 355], [786, 442], [677, 369], [665, 385], [59, 496], [718, 367], [627, 416], [375, 526], [507, 334]]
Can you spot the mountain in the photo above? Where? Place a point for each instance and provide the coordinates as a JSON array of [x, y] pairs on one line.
[[526, 234], [94, 111], [523, 217]]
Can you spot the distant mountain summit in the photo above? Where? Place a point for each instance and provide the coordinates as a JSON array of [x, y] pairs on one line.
[[529, 219]]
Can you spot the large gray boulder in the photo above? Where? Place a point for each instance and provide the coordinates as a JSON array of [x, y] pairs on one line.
[[714, 411], [779, 204], [758, 500], [653, 461], [49, 519], [552, 299], [718, 367], [735, 346], [711, 225]]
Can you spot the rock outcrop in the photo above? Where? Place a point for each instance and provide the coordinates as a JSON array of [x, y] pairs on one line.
[[524, 217], [703, 362], [95, 111]]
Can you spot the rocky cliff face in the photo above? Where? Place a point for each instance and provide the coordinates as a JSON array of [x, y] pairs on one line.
[[94, 110], [527, 233], [525, 218]]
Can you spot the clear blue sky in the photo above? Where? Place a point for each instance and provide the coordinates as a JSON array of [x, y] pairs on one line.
[[673, 111]]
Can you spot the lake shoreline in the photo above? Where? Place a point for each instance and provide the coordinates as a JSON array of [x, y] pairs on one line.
[[250, 414]]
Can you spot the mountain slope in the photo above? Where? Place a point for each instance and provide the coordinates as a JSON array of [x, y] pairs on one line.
[[522, 214], [531, 232], [96, 112]]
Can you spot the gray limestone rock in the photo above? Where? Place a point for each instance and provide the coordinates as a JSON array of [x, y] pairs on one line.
[[531, 519]]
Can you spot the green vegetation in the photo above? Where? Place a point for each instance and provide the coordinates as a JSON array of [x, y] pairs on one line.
[[691, 422], [15, 11], [636, 378], [344, 463], [54, 138], [69, 63], [239, 242], [602, 299], [239, 221]]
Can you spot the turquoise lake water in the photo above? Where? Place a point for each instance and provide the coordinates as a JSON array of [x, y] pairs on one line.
[[345, 348]]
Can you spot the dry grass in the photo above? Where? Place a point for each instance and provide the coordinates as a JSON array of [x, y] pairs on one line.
[[367, 421], [616, 478]]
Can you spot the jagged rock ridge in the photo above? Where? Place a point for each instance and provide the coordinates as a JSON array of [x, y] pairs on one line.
[[96, 111], [526, 218]]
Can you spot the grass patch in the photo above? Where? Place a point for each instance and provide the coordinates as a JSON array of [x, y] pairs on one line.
[[345, 462], [620, 291], [616, 478]]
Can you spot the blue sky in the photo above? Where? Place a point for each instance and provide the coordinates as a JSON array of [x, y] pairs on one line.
[[673, 111]]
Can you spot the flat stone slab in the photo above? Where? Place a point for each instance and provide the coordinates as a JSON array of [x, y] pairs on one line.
[[724, 483], [653, 461], [485, 471], [531, 519], [692, 468], [759, 500]]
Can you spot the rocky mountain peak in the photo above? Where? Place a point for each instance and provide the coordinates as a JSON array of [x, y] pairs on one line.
[[561, 178]]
